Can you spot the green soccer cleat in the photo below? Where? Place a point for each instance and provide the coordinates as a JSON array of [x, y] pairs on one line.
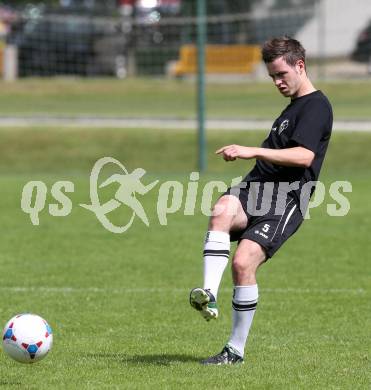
[[228, 356], [204, 301]]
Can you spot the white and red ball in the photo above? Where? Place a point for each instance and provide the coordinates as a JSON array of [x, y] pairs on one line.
[[27, 338]]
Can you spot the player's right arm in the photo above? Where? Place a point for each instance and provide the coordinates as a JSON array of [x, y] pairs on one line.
[[297, 156]]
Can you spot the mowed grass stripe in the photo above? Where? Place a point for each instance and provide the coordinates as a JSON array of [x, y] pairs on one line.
[[164, 290], [157, 98], [74, 151]]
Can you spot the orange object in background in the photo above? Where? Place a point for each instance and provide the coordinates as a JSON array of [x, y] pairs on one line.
[[219, 59]]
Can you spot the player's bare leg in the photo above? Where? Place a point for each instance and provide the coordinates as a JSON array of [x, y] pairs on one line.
[[248, 257], [227, 215]]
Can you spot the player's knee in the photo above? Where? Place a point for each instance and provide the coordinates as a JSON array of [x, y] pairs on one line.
[[223, 212], [247, 261], [242, 266], [226, 206]]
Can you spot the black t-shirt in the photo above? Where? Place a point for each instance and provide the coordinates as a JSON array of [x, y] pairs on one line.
[[307, 122]]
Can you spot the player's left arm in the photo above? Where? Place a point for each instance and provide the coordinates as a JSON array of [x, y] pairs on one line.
[[297, 156]]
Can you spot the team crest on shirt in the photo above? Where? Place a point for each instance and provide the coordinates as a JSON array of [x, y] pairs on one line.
[[283, 126]]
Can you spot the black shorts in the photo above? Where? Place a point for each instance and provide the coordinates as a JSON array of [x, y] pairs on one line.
[[272, 219]]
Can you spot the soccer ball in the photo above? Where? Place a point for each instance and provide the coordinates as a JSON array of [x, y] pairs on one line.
[[27, 338]]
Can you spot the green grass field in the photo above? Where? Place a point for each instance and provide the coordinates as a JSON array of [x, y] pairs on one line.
[[118, 304], [167, 98]]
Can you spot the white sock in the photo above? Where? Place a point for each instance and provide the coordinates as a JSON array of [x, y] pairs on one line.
[[216, 254], [245, 299]]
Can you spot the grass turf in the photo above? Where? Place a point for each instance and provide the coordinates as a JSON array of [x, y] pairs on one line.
[[166, 98], [118, 304]]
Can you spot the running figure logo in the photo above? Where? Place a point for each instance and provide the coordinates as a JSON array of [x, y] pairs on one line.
[[129, 185]]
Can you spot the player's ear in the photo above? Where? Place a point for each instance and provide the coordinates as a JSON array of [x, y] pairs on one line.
[[300, 66]]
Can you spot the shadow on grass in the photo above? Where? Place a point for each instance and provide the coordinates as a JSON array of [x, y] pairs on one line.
[[152, 359], [162, 360]]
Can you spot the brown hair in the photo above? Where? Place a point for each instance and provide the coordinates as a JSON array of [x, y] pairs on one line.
[[290, 49]]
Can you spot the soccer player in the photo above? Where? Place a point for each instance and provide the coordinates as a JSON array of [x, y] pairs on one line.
[[268, 206]]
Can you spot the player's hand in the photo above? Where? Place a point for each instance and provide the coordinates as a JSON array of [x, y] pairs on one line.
[[232, 152]]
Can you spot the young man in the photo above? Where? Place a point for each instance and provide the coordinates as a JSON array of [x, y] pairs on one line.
[[268, 206]]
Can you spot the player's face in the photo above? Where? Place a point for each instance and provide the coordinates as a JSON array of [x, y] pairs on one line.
[[288, 79]]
